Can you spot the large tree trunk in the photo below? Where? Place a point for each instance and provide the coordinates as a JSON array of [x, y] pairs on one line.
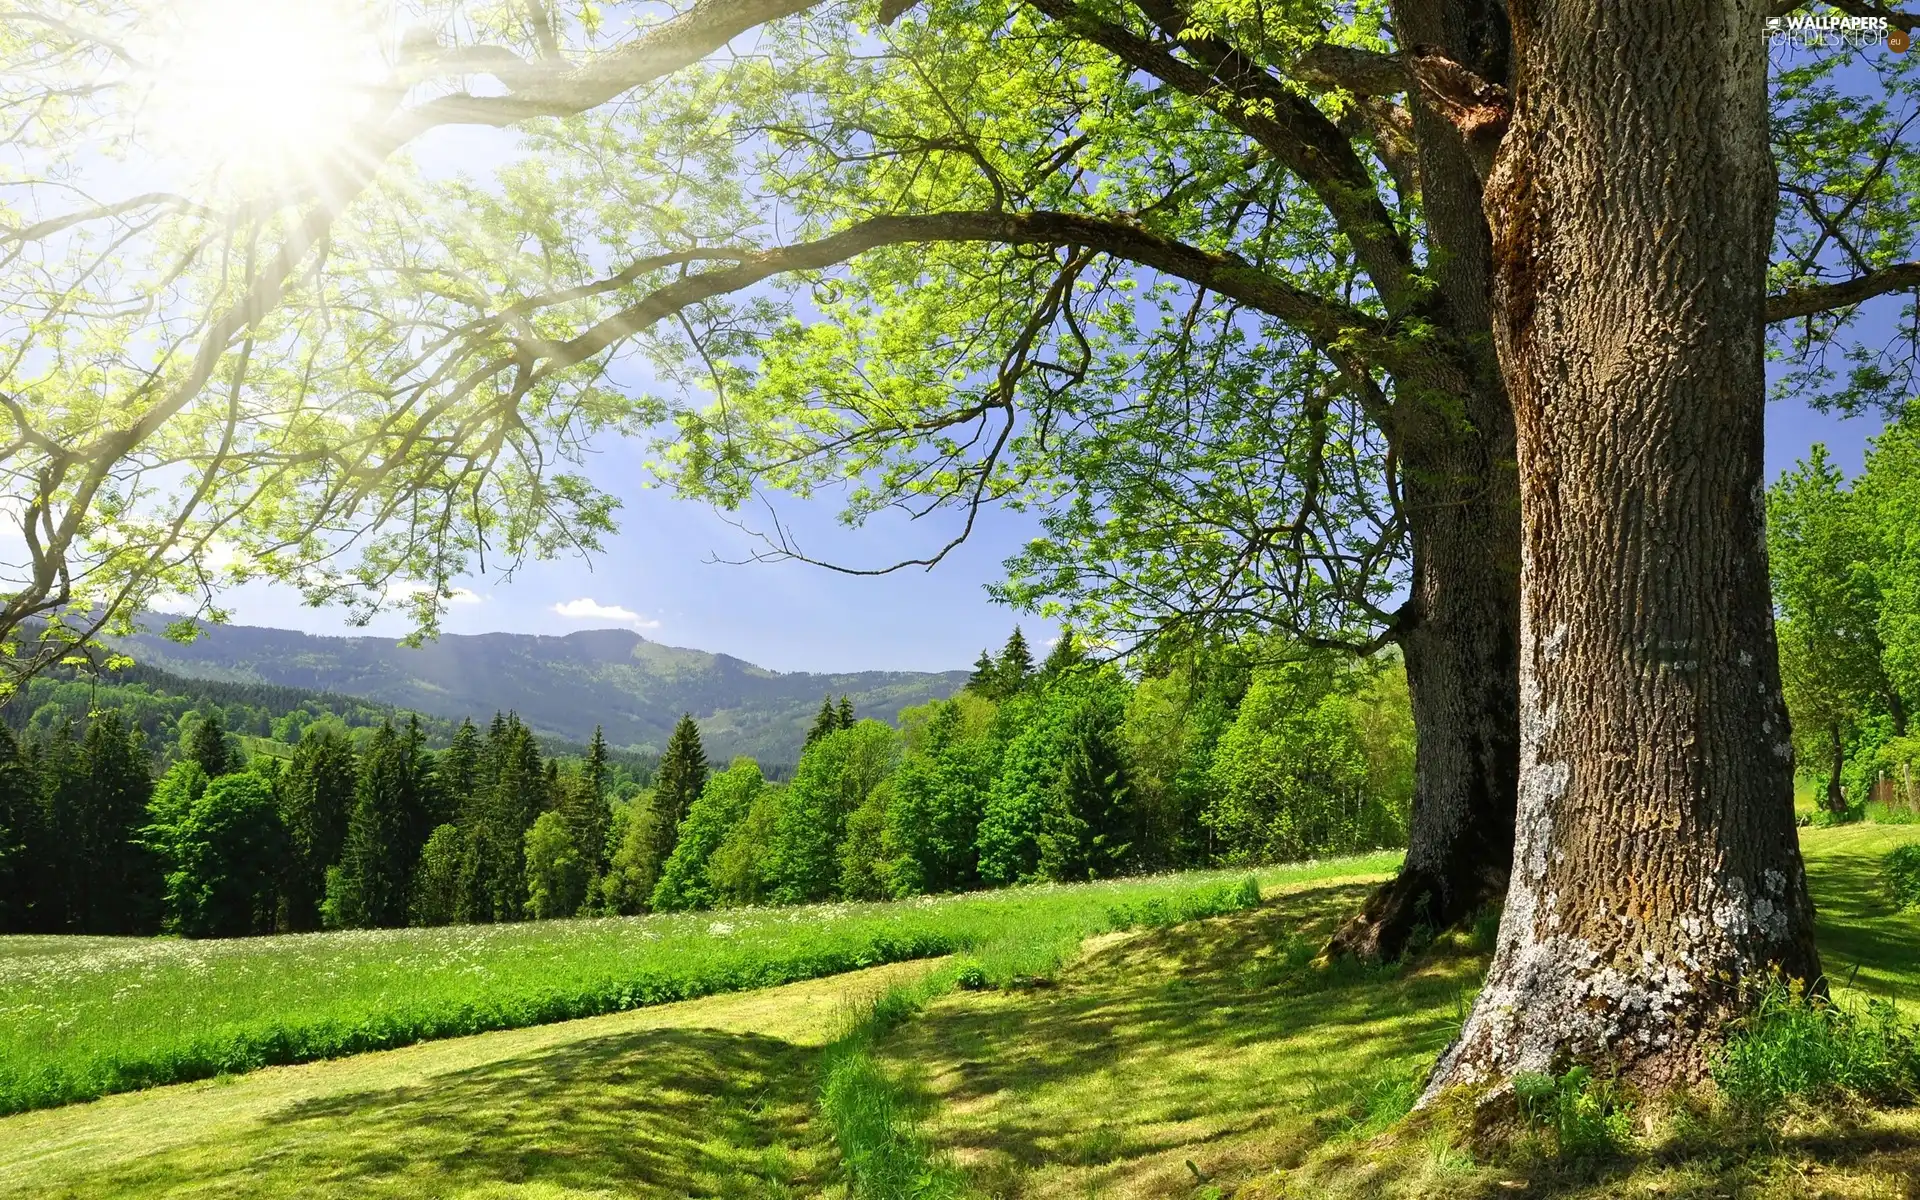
[[1656, 870], [1460, 636], [1460, 641]]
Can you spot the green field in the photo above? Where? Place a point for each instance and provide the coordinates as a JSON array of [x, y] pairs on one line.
[[710, 1097], [1274, 1080], [84, 1017], [1205, 1060]]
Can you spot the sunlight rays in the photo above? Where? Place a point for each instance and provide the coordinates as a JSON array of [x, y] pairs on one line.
[[252, 94]]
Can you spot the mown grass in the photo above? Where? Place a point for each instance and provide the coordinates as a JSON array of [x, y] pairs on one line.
[[712, 1097], [1212, 1060], [107, 1015], [873, 1119], [1199, 1061]]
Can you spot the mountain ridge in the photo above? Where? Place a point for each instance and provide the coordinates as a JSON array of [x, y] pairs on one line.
[[562, 685]]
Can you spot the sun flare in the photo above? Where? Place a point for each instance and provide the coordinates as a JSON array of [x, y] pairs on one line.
[[255, 91]]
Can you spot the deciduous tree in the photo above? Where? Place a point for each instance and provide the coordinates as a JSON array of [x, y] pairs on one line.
[[1657, 876], [223, 884], [723, 804]]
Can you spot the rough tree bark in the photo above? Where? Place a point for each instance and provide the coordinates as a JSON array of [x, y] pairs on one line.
[[1461, 629], [1460, 647], [1656, 870]]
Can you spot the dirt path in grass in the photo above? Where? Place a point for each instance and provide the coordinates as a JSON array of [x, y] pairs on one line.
[[709, 1097]]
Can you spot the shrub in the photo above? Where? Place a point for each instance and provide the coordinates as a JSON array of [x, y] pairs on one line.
[[1806, 1047], [1827, 818], [1902, 871]]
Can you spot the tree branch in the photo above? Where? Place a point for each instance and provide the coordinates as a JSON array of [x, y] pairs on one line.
[[1351, 69], [1282, 122], [1824, 297], [1328, 322], [558, 89]]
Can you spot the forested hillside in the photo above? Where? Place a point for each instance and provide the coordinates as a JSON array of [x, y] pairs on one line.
[[632, 688], [1068, 770], [267, 717]]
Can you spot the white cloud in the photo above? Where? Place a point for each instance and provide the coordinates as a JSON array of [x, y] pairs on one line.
[[588, 609], [408, 589]]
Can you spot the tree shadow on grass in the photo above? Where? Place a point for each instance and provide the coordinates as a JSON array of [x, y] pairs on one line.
[[666, 1112], [1208, 1057], [1211, 1041], [1868, 1155], [1858, 925]]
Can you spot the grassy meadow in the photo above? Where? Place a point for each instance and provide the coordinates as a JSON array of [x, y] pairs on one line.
[[1205, 1060], [1248, 1074], [85, 1017]]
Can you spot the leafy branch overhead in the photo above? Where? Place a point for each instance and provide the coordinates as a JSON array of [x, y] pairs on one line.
[[1165, 272]]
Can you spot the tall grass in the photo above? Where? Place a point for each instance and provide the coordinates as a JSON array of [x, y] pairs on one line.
[[1808, 1048], [85, 1017]]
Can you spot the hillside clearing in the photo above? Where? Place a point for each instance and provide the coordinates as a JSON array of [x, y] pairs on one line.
[[1213, 1043], [705, 1097]]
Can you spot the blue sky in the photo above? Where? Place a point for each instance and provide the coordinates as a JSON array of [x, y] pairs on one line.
[[788, 616], [795, 617]]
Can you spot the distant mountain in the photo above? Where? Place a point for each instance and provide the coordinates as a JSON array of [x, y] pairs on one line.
[[561, 686]]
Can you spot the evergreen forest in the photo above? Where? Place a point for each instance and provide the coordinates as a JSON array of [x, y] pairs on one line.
[[1067, 769]]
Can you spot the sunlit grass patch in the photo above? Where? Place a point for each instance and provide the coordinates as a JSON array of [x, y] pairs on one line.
[[87, 1017], [1244, 1070]]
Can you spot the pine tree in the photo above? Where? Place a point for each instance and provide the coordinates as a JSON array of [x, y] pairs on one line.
[[587, 812], [1085, 832], [985, 680], [596, 764], [676, 785], [846, 718], [825, 723], [422, 798], [518, 793], [122, 891], [493, 756], [460, 770], [317, 797], [377, 859], [494, 820], [207, 745], [20, 839], [60, 770], [1066, 654], [1016, 664]]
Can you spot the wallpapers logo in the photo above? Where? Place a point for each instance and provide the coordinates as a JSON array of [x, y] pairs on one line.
[[1807, 31]]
